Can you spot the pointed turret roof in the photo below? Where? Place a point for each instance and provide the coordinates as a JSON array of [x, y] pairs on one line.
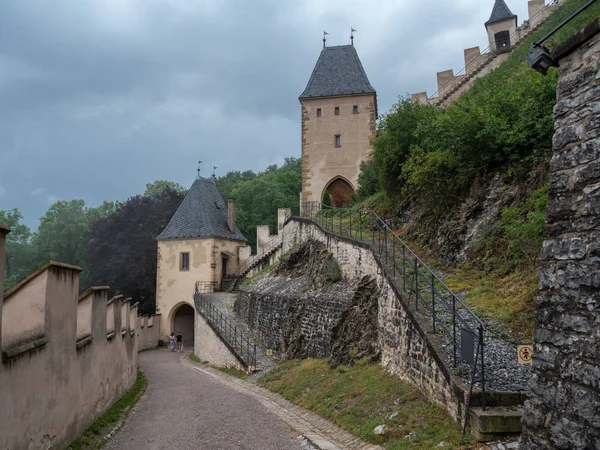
[[500, 12], [338, 72], [202, 214]]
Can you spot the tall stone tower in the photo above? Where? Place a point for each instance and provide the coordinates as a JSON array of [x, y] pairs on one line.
[[339, 113]]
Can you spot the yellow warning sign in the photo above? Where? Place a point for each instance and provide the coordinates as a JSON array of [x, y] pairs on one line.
[[524, 354]]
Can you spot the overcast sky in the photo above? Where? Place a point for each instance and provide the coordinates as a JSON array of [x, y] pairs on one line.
[[98, 98]]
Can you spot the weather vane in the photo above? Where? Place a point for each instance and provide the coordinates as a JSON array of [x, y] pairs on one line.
[[352, 31], [199, 162], [325, 33]]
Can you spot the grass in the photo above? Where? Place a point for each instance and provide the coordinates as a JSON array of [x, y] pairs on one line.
[[265, 269], [509, 299], [361, 397], [233, 372], [93, 436]]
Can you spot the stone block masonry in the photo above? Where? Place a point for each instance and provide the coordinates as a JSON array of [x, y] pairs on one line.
[[405, 348], [564, 407]]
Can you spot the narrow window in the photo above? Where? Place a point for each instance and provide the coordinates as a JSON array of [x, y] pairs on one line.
[[355, 109], [318, 112], [338, 140], [337, 110], [185, 261]]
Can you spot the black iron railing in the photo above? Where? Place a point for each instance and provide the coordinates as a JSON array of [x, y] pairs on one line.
[[235, 336], [205, 287], [266, 250], [427, 293]]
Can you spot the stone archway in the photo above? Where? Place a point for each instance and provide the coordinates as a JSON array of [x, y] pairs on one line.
[[183, 320], [340, 192]]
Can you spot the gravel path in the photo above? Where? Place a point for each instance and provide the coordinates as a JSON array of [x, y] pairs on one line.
[[186, 409]]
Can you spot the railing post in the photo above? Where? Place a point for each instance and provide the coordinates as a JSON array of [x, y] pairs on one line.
[[433, 301], [350, 224], [454, 326], [416, 285], [360, 223], [394, 258], [482, 368], [404, 267]]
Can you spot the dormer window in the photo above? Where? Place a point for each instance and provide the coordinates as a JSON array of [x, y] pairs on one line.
[[337, 110], [355, 109], [318, 112]]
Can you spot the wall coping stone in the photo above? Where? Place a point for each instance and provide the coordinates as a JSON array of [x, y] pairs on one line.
[[47, 265], [85, 341], [575, 41], [91, 289], [111, 300], [22, 348]]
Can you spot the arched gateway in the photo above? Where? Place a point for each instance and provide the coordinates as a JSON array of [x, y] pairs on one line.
[[182, 320], [340, 192]]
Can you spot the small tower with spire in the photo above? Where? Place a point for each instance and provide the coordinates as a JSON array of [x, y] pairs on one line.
[[501, 27]]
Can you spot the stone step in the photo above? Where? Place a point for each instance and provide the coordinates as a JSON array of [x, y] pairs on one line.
[[495, 422]]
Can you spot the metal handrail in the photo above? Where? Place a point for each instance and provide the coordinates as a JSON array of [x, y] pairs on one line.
[[205, 287], [248, 262], [229, 331], [416, 278], [486, 52]]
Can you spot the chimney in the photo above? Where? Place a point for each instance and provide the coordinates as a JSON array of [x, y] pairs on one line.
[[4, 230], [231, 214]]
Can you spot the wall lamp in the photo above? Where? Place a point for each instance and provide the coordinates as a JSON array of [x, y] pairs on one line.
[[539, 57]]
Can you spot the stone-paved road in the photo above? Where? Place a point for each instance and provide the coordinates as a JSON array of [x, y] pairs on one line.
[[186, 409]]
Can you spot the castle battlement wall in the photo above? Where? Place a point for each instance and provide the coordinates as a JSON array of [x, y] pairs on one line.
[[478, 64], [62, 363]]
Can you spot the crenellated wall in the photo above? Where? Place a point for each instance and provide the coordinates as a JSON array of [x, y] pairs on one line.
[[477, 64], [61, 365], [148, 331]]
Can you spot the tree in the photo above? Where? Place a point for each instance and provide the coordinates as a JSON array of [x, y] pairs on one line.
[[121, 251], [160, 187], [61, 235], [257, 199], [20, 258]]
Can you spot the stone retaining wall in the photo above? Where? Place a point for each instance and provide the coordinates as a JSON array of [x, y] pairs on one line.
[[564, 407], [405, 348]]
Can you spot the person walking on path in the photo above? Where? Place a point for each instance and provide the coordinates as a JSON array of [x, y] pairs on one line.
[[179, 342], [172, 342]]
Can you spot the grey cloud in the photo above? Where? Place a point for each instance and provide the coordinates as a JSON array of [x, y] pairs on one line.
[[101, 97]]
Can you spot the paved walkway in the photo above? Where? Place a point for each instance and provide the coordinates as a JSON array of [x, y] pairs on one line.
[[185, 409], [192, 406]]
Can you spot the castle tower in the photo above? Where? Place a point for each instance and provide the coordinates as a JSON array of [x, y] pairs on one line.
[[501, 28], [339, 113]]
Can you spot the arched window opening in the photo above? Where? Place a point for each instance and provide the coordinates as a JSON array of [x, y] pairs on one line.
[[339, 192]]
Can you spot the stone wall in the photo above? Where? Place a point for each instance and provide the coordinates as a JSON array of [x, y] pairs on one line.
[[148, 331], [564, 407], [63, 368], [405, 347], [292, 319], [208, 346]]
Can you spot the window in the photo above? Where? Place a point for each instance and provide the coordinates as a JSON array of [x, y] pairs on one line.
[[355, 109], [337, 110], [318, 112], [185, 261], [338, 140]]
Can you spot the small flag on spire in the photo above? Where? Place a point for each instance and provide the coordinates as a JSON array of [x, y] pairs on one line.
[[352, 31], [325, 33]]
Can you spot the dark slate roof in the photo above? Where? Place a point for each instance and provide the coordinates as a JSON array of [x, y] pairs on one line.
[[202, 214], [338, 72], [500, 12]]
